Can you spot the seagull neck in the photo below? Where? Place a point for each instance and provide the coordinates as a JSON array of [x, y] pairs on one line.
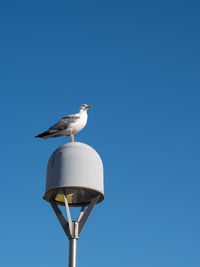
[[83, 112]]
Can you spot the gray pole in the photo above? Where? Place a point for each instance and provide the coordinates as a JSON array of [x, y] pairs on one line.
[[72, 252], [73, 228]]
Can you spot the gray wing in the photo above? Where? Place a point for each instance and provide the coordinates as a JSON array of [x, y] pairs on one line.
[[61, 125], [64, 123]]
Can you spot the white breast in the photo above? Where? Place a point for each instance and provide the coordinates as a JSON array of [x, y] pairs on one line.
[[80, 124]]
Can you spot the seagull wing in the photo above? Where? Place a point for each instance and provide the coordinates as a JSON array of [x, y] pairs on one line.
[[64, 123], [61, 125]]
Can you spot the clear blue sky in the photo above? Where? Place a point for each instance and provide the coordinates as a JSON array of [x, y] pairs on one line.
[[137, 63]]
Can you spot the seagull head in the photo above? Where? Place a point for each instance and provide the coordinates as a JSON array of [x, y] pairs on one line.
[[84, 107]]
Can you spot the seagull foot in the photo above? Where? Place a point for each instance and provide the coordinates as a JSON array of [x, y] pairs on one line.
[[72, 138]]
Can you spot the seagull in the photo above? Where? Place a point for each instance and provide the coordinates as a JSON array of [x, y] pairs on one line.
[[69, 125]]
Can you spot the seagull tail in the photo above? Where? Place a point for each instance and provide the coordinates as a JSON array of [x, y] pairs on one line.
[[44, 135]]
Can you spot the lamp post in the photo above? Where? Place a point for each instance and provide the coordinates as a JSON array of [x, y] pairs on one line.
[[74, 179]]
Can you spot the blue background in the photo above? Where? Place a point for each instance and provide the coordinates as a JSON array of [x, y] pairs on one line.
[[137, 63]]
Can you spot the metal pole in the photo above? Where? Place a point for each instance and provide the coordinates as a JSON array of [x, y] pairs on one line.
[[72, 252], [73, 228]]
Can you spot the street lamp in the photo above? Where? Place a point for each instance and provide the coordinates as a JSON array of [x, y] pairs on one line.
[[74, 179]]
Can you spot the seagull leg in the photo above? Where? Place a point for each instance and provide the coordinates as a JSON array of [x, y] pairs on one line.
[[72, 137]]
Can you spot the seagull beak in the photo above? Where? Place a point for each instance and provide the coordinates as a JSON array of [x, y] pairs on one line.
[[89, 107]]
